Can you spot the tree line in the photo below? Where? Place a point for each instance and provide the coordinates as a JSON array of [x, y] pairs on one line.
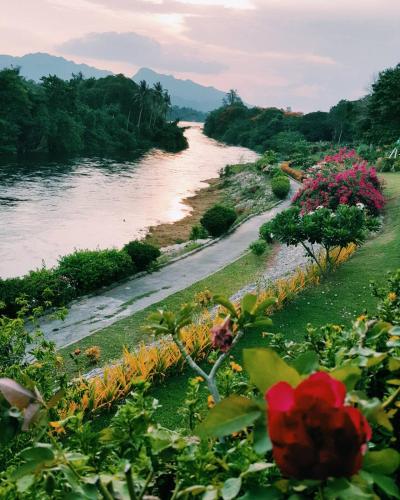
[[373, 119], [110, 115]]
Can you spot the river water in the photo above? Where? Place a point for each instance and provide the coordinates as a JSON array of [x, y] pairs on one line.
[[48, 209]]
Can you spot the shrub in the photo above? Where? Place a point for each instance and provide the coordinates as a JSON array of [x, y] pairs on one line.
[[268, 158], [389, 298], [280, 186], [218, 219], [258, 247], [40, 288], [198, 232], [88, 270], [388, 164], [358, 184], [142, 254], [296, 174], [93, 354]]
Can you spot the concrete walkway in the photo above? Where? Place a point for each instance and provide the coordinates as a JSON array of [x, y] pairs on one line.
[[91, 314]]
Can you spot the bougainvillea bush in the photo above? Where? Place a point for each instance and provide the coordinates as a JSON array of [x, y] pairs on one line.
[[358, 184]]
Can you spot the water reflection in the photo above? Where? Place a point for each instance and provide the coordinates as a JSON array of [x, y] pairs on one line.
[[49, 208]]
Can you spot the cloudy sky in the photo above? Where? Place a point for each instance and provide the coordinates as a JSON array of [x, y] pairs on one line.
[[306, 54]]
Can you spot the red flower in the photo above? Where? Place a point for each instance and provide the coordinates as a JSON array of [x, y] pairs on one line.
[[314, 434], [222, 336]]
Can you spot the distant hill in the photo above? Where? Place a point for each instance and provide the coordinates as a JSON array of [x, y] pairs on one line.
[[186, 114], [184, 93], [34, 66]]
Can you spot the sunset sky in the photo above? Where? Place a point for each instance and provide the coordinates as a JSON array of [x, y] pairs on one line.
[[306, 54]]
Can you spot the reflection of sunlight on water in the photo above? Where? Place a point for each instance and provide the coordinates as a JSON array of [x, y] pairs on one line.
[[90, 202]]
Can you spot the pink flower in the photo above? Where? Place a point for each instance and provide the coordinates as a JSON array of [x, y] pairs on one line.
[[222, 336]]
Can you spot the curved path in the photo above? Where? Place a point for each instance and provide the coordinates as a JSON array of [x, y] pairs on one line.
[[90, 314]]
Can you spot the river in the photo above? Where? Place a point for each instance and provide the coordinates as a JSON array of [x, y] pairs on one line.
[[48, 209]]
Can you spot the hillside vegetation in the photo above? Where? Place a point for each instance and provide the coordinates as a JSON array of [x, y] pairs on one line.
[[110, 115], [374, 118]]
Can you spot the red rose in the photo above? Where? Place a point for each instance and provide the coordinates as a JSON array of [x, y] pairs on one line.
[[222, 336], [314, 435]]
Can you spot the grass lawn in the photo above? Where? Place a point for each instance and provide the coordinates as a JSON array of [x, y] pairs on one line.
[[127, 332], [338, 299]]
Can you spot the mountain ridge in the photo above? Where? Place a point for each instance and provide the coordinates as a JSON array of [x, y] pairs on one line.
[[35, 65], [184, 93]]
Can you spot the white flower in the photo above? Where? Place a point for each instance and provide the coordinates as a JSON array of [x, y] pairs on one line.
[[361, 206], [319, 207], [310, 213]]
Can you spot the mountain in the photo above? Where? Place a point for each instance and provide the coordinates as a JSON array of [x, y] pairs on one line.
[[34, 66], [184, 93]]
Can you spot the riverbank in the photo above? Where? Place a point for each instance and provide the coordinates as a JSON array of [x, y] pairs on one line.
[[242, 187], [166, 234]]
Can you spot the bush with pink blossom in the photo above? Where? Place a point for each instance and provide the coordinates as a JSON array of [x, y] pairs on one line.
[[331, 188]]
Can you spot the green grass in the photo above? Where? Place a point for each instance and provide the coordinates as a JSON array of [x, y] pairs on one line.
[[127, 332], [338, 299]]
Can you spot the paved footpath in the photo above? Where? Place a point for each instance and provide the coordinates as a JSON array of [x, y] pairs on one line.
[[91, 314]]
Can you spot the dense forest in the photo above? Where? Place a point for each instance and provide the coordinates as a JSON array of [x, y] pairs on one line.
[[186, 114], [373, 119], [110, 115]]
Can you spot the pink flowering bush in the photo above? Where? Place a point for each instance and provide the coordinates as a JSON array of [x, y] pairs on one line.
[[343, 156], [356, 185]]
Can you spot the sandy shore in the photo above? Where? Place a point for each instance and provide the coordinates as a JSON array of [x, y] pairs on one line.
[[176, 232]]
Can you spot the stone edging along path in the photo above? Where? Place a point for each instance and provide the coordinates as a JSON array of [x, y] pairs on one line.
[[91, 314]]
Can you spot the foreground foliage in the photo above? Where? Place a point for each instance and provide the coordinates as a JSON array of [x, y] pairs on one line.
[[347, 377]]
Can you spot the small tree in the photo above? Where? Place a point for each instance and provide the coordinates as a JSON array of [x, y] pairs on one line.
[[324, 227], [250, 317]]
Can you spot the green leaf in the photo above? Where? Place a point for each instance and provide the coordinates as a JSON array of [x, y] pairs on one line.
[[265, 304], [231, 415], [231, 488], [387, 485], [25, 482], [261, 441], [222, 301], [266, 368], [394, 364], [210, 494], [383, 462], [55, 398], [377, 358], [262, 493], [192, 490], [248, 302], [257, 467], [343, 489], [306, 363], [39, 453], [349, 375], [258, 326]]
